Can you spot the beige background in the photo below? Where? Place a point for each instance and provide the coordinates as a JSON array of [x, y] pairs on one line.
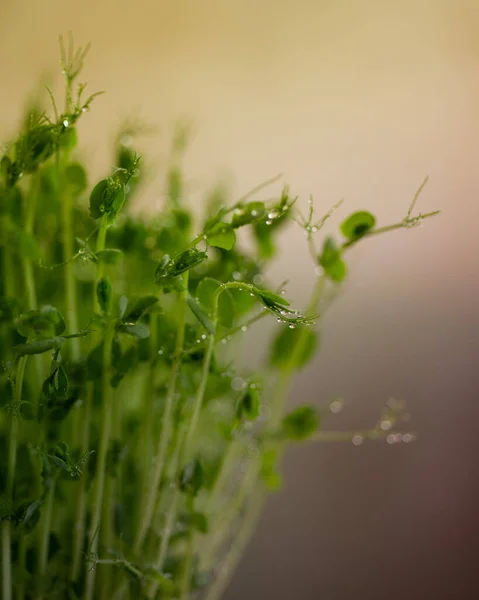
[[355, 99]]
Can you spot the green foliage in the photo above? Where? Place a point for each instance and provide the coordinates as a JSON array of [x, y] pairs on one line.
[[128, 429], [301, 423], [357, 225]]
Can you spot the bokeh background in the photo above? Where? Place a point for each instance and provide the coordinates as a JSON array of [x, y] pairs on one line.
[[354, 99]]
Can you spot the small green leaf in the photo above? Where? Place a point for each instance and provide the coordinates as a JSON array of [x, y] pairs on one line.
[[331, 261], [123, 364], [249, 405], [269, 474], [98, 199], [104, 293], [45, 322], [138, 330], [38, 347], [201, 314], [189, 259], [192, 477], [221, 235], [122, 305], [284, 347], [357, 225], [139, 308], [301, 423], [248, 213], [270, 299]]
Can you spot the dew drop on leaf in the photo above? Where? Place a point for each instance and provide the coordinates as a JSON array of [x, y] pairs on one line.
[[358, 440]]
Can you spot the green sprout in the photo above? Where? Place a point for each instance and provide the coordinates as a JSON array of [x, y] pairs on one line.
[[134, 448]]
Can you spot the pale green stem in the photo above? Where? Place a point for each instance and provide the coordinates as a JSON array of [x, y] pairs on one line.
[[45, 538], [12, 461], [165, 429], [170, 518], [228, 567], [106, 421], [79, 528]]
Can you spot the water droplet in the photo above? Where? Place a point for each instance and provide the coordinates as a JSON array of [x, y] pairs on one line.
[[126, 140], [252, 294], [254, 213], [279, 320], [335, 406], [237, 384], [85, 109], [268, 222], [203, 336], [318, 270], [407, 437], [66, 123], [314, 229], [244, 328], [271, 215], [386, 425], [236, 275], [228, 337], [391, 439], [258, 279], [291, 326], [160, 352], [358, 440], [282, 292]]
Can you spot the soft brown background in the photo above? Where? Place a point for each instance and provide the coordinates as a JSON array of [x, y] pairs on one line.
[[355, 99]]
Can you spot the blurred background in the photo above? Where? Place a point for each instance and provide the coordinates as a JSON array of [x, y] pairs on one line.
[[353, 99]]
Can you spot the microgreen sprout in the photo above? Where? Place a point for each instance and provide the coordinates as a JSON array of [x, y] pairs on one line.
[[135, 451]]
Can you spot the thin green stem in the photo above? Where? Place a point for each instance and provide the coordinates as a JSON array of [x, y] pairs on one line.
[[12, 461], [165, 428], [247, 528], [79, 528], [106, 421], [45, 537], [66, 203], [170, 518]]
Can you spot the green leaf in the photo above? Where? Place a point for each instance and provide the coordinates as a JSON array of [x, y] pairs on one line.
[[226, 305], [139, 308], [98, 199], [301, 423], [104, 293], [138, 330], [269, 298], [249, 405], [331, 261], [269, 474], [221, 235], [201, 314], [168, 269], [357, 225], [192, 477], [284, 346], [45, 322], [38, 347], [189, 259], [248, 213], [76, 176], [107, 197]]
